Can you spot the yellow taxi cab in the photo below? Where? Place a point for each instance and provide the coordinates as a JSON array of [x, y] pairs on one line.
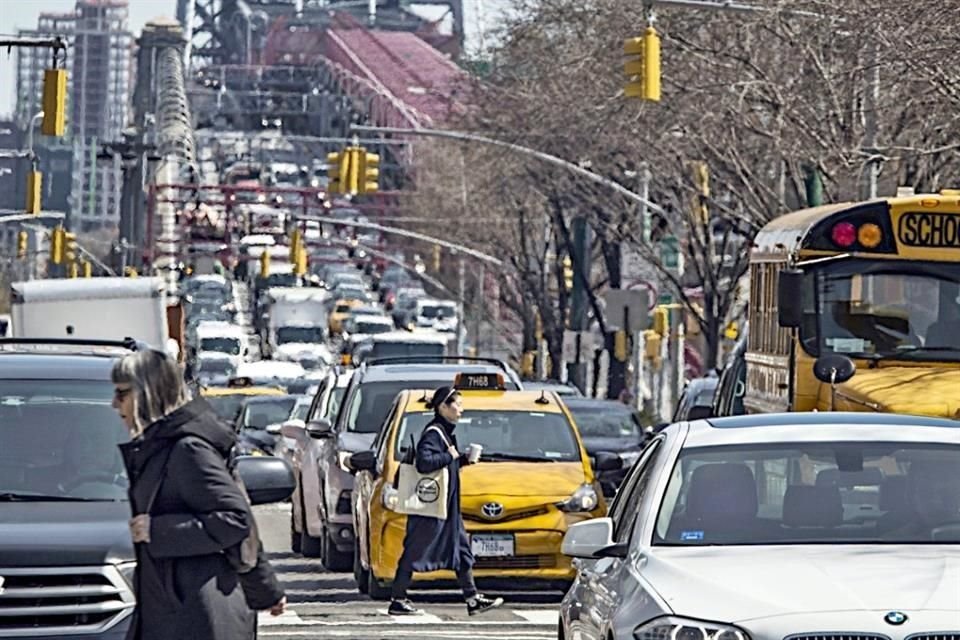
[[340, 312], [534, 479], [227, 401]]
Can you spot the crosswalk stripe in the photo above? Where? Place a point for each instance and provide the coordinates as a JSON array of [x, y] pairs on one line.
[[403, 633], [539, 616]]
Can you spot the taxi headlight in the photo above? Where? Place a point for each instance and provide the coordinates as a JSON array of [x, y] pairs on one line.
[[390, 499], [676, 628], [583, 499]]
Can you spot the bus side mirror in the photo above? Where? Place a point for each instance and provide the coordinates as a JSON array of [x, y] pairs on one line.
[[789, 298]]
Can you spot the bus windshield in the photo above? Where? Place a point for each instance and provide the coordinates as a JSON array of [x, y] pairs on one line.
[[902, 310]]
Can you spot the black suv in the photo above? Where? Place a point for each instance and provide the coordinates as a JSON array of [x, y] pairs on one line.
[[66, 558]]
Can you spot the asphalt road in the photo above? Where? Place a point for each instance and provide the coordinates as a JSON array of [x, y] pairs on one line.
[[328, 605]]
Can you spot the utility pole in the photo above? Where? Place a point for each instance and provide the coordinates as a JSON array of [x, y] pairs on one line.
[[871, 100]]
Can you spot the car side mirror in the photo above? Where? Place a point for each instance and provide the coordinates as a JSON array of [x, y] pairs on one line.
[[699, 413], [274, 429], [789, 298], [587, 539], [266, 478], [319, 429], [295, 429], [607, 461], [363, 461]]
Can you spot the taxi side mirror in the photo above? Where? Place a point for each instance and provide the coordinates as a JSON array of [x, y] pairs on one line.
[[607, 461], [363, 461]]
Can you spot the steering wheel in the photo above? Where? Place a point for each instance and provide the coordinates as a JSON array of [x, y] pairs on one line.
[[89, 477]]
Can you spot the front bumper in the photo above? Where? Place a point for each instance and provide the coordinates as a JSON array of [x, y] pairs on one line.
[[537, 558]]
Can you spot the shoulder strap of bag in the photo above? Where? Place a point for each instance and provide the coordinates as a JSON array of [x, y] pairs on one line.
[[443, 435], [156, 487]]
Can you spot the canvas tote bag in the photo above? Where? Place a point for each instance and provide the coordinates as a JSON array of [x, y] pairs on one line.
[[423, 494]]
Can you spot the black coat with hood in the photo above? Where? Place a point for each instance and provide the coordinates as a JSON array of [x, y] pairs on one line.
[[185, 586], [431, 543]]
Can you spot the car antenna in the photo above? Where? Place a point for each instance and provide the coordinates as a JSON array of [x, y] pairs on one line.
[[424, 399], [543, 397]]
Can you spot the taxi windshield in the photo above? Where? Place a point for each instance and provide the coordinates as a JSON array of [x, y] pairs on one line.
[[227, 407], [821, 493], [309, 335], [58, 441], [262, 413], [606, 421], [527, 435], [864, 308]]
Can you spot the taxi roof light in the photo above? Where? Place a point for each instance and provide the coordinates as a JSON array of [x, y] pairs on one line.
[[480, 382], [843, 234], [239, 382]]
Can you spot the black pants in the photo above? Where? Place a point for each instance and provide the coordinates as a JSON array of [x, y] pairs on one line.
[[405, 577]]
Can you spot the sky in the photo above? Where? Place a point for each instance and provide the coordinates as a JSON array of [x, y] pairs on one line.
[[23, 14]]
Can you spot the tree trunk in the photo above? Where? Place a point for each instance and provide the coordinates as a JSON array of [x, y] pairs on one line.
[[616, 370]]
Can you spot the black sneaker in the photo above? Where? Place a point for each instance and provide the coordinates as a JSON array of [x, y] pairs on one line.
[[481, 603], [402, 608]]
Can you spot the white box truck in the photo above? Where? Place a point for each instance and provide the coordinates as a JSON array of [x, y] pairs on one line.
[[92, 309]]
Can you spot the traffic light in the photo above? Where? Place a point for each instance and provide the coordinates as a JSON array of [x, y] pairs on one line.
[[130, 272], [300, 266], [56, 244], [568, 273], [296, 242], [73, 270], [22, 245], [264, 263], [661, 321], [54, 102], [34, 191], [70, 252], [701, 175], [87, 269], [370, 172], [643, 71], [337, 171], [436, 258], [355, 155], [621, 346]]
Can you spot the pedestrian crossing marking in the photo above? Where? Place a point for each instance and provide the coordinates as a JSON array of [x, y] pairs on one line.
[[288, 617], [539, 616]]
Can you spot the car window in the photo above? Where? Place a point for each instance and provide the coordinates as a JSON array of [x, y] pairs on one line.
[[227, 407], [333, 404], [258, 415], [379, 444], [625, 511], [817, 493], [606, 422], [370, 403], [534, 434], [315, 406], [59, 438]]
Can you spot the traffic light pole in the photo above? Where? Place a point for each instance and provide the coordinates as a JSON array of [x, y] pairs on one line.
[[540, 155]]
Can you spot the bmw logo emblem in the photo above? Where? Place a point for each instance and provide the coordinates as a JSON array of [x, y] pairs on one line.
[[896, 618]]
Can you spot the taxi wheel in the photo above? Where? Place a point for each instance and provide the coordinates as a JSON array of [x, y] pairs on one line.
[[375, 590], [333, 558], [359, 573]]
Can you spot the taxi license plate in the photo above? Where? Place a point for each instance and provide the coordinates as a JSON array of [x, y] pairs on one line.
[[491, 545]]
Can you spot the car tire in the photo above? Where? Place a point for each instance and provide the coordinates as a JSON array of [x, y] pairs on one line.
[[333, 558], [310, 547], [376, 590], [359, 573]]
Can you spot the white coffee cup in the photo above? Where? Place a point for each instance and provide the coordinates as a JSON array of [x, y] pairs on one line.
[[473, 453]]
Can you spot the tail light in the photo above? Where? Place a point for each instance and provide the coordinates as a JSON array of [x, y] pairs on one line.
[[843, 234]]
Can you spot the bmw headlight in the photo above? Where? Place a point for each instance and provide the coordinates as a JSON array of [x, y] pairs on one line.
[[676, 628], [127, 570], [583, 499], [390, 499]]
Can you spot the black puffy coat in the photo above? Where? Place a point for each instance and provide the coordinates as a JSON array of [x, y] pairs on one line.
[[184, 585], [432, 543]]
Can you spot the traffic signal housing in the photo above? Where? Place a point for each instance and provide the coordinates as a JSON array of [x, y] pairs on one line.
[[54, 102], [643, 67], [34, 191], [296, 245], [264, 264], [336, 171], [22, 241], [70, 253], [370, 172], [568, 273], [57, 245]]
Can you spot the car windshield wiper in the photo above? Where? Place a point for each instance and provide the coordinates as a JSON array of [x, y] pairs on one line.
[[513, 457], [40, 497]]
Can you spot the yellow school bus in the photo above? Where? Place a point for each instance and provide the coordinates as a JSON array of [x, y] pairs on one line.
[[856, 307]]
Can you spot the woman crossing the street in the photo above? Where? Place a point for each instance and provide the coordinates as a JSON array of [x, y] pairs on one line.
[[432, 544]]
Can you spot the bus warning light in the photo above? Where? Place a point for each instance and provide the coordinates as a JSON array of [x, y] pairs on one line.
[[843, 234], [869, 235]]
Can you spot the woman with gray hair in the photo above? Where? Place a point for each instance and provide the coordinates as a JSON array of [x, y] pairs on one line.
[[188, 511]]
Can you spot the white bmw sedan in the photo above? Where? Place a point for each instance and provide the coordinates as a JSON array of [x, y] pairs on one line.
[[803, 526]]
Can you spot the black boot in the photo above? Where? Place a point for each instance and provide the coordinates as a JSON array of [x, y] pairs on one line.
[[480, 603], [402, 608]]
